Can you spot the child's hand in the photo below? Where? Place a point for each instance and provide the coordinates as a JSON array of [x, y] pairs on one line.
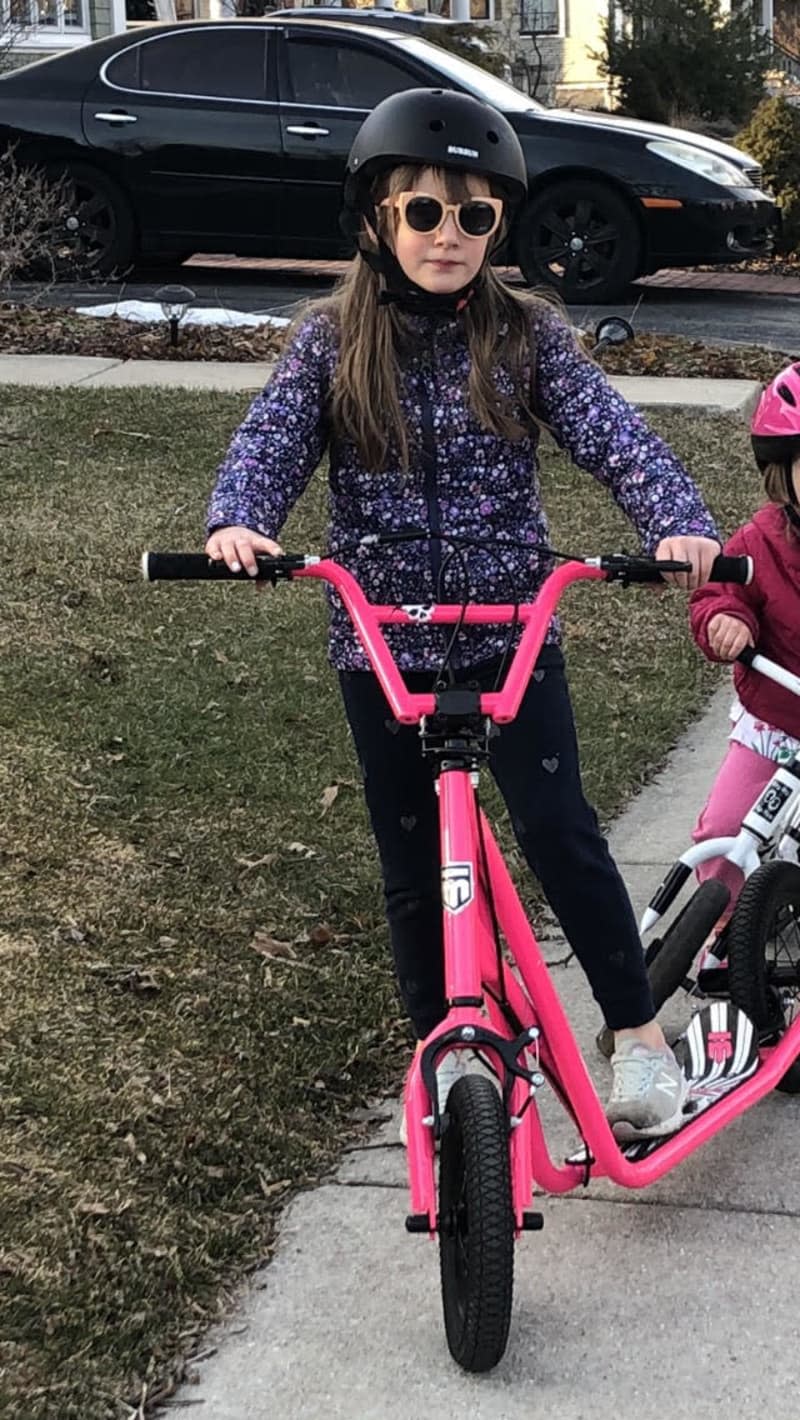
[[700, 551], [237, 546], [727, 636]]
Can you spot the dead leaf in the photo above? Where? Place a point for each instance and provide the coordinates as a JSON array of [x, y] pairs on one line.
[[301, 848], [250, 863], [320, 936], [270, 947], [329, 797]]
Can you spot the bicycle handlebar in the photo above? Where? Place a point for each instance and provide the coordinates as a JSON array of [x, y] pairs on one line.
[[534, 617], [754, 658], [197, 567]]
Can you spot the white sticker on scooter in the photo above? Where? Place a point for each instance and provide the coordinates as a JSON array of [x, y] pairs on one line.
[[457, 887]]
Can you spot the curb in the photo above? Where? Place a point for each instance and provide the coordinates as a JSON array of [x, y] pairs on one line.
[[737, 397]]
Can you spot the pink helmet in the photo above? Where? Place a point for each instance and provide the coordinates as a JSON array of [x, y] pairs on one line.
[[775, 428]]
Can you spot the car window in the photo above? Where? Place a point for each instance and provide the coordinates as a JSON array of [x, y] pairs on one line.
[[214, 63], [343, 76]]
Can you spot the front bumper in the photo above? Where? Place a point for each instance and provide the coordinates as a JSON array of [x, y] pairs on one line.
[[727, 229]]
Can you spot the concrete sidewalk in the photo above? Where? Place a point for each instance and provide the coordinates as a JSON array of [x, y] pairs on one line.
[[677, 1301], [90, 372]]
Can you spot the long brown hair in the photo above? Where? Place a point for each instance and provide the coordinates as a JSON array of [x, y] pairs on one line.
[[365, 398], [775, 485]]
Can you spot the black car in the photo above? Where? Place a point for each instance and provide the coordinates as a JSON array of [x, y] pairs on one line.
[[231, 136]]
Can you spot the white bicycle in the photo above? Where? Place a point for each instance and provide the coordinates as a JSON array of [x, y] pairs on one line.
[[755, 959]]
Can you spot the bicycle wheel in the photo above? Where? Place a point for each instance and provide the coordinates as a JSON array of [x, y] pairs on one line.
[[668, 966], [672, 963], [476, 1225], [764, 955]]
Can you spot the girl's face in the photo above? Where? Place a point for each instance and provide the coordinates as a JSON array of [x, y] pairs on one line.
[[445, 260], [796, 479]]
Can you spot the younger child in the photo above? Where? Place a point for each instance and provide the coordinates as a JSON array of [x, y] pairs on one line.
[[765, 718]]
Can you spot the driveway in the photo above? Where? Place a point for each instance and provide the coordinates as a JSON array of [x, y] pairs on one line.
[[713, 306]]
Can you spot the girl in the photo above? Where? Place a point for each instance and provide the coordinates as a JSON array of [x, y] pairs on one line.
[[725, 618], [427, 380]]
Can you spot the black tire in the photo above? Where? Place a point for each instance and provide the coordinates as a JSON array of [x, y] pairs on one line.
[[574, 211], [672, 963], [764, 940], [104, 241], [668, 967], [476, 1225]]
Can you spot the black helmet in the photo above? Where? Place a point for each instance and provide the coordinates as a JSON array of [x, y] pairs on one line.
[[436, 128]]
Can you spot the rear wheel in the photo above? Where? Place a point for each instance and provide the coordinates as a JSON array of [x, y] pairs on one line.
[[100, 236], [476, 1225], [581, 238], [764, 955]]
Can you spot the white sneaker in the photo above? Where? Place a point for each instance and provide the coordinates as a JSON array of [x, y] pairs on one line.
[[648, 1092], [451, 1067]]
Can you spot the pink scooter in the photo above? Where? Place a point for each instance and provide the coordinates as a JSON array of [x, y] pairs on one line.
[[492, 1145]]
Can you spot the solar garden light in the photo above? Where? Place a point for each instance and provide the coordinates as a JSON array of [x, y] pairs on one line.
[[175, 302]]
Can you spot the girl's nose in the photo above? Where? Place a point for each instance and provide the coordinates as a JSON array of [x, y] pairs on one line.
[[448, 232]]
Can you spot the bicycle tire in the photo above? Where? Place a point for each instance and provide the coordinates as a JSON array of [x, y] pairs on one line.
[[476, 1225], [685, 937], [668, 967], [773, 886]]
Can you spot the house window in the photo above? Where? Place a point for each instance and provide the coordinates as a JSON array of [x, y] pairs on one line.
[[45, 17], [539, 17]]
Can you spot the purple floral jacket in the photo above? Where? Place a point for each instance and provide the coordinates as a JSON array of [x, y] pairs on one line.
[[462, 481]]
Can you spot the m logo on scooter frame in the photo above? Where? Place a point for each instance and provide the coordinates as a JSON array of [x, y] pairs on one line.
[[457, 886]]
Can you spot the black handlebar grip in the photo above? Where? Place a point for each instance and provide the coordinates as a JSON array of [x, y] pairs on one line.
[[732, 569], [197, 567], [747, 655]]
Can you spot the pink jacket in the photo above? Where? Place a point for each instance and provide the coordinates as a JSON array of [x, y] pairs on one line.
[[770, 607]]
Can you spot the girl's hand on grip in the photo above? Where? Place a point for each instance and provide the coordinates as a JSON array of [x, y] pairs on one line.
[[700, 551], [237, 547], [727, 636]]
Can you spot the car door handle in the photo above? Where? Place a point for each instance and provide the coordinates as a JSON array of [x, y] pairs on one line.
[[117, 117], [304, 130]]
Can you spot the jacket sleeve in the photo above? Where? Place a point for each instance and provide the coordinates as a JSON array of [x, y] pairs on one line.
[[726, 598], [276, 449], [603, 434]]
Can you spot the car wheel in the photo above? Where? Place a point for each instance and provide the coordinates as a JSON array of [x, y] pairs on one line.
[[580, 238], [100, 236]]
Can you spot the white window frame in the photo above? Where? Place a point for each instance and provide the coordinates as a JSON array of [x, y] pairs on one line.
[[50, 37], [557, 5]]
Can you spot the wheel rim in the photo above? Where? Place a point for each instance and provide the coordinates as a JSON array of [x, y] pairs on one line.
[[91, 223], [576, 244]]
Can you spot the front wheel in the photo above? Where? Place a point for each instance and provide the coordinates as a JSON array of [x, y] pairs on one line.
[[581, 238], [476, 1225], [764, 955]]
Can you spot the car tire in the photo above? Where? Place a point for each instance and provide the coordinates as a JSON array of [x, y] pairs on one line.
[[105, 240], [578, 211]]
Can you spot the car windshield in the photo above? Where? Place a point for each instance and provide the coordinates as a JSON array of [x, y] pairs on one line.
[[469, 76]]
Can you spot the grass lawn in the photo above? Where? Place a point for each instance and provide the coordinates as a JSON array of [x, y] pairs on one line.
[[193, 964]]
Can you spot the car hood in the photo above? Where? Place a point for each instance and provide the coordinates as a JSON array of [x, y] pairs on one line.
[[640, 128]]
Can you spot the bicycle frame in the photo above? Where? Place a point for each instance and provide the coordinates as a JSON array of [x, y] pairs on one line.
[[471, 966], [755, 842]]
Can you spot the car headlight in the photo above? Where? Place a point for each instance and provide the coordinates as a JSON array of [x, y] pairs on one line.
[[700, 161]]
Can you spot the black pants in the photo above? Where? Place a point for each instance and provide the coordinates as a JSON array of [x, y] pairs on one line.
[[535, 763]]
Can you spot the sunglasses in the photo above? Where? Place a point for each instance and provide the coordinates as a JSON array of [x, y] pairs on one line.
[[476, 217]]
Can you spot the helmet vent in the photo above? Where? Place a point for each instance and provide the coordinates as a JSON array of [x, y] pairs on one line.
[[436, 125], [492, 136], [787, 394]]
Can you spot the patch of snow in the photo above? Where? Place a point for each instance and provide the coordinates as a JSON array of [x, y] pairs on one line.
[[150, 311]]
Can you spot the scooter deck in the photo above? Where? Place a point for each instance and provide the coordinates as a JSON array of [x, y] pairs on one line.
[[717, 1053]]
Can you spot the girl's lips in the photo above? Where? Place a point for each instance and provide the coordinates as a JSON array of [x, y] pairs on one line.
[[435, 261]]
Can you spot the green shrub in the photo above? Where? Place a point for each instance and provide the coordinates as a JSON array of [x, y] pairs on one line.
[[671, 56], [773, 138]]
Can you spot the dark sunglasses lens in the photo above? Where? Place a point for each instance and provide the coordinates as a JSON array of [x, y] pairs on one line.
[[423, 214], [477, 218]]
